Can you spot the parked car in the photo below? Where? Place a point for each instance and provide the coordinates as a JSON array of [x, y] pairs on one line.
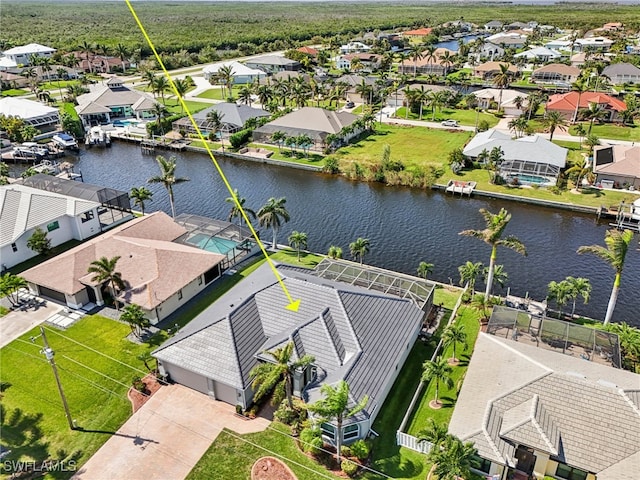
[[350, 105], [449, 123]]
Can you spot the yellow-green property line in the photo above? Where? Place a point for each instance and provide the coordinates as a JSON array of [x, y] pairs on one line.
[[293, 304]]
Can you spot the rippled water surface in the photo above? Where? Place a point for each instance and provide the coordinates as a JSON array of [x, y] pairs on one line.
[[404, 226]]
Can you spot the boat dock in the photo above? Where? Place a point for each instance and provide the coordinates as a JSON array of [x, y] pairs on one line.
[[625, 216], [150, 146], [463, 188]]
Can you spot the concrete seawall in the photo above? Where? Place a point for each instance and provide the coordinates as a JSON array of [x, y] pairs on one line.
[[270, 161]]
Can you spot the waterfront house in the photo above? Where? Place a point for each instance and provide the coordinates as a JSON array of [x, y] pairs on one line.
[[112, 99], [344, 314], [21, 55], [493, 26], [428, 64], [539, 55], [512, 100], [488, 70], [12, 80], [62, 217], [534, 413], [163, 263], [233, 117], [508, 40], [40, 116], [617, 165], [565, 103], [354, 47], [527, 160], [489, 51], [622, 72], [273, 63], [240, 73], [370, 62], [419, 34], [555, 73], [316, 122], [600, 44]]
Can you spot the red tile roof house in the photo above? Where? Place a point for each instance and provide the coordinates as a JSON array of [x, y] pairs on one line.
[[160, 273], [312, 52], [419, 33], [565, 103]]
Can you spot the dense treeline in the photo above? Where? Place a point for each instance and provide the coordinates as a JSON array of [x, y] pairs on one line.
[[193, 26]]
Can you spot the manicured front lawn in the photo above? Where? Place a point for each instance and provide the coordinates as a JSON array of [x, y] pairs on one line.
[[464, 117], [14, 92], [55, 85], [613, 132], [231, 456], [34, 425], [174, 106], [412, 146], [215, 93]]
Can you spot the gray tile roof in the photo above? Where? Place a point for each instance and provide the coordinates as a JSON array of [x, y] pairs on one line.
[[353, 334], [514, 395], [621, 69], [232, 113], [106, 96], [310, 120]]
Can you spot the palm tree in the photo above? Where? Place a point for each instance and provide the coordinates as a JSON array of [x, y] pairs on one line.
[[481, 304], [279, 137], [469, 272], [335, 405], [305, 141], [272, 214], [104, 270], [453, 460], [214, 122], [244, 95], [434, 433], [579, 287], [359, 248], [580, 131], [491, 235], [424, 269], [265, 95], [502, 80], [439, 371], [591, 141], [614, 254], [237, 207], [579, 86], [225, 74], [168, 178], [593, 112], [134, 316], [499, 275], [415, 53], [122, 51], [298, 240], [181, 85], [277, 375], [160, 85], [87, 49], [559, 292], [10, 285], [583, 168], [453, 335], [553, 120], [334, 252], [160, 112], [61, 74], [141, 195]]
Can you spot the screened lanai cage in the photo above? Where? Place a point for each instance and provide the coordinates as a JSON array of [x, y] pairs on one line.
[[405, 286], [217, 236], [556, 335]]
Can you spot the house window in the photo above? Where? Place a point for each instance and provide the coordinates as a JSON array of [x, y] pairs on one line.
[[481, 464], [351, 431], [328, 430], [179, 294], [570, 473], [86, 216], [14, 247], [53, 226]]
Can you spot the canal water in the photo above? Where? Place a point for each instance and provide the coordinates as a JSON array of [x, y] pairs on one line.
[[405, 226], [453, 44]]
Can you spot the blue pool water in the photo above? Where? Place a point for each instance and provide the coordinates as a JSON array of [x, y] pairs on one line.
[[212, 244], [530, 179], [124, 123]]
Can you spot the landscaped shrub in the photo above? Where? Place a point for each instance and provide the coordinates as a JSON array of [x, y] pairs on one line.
[[331, 165], [311, 440], [349, 467], [483, 126], [285, 414], [346, 451], [360, 449], [139, 385], [240, 138], [239, 409]]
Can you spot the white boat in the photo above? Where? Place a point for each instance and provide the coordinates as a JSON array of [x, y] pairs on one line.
[[65, 141], [97, 136], [39, 150]]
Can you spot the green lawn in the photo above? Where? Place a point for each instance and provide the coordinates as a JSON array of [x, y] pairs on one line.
[[34, 425], [613, 132], [3, 311], [55, 86], [464, 117], [231, 456], [215, 93], [174, 106], [69, 108], [13, 92], [422, 412], [413, 146]]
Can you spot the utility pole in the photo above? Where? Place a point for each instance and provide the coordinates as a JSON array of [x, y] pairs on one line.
[[49, 354]]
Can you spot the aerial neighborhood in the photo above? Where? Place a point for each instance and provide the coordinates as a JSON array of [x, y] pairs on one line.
[[156, 322]]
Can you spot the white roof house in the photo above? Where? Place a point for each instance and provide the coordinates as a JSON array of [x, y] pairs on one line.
[[23, 208], [541, 54], [508, 99], [241, 73], [354, 47], [21, 54], [6, 63], [599, 43], [32, 112], [532, 159]]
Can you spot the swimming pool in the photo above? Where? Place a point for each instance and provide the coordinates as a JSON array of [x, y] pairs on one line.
[[530, 179], [218, 245], [125, 123]]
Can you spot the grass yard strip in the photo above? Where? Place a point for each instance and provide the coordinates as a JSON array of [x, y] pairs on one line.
[[174, 106], [216, 93], [230, 457], [447, 296], [611, 131], [13, 92], [422, 412], [464, 117], [34, 426]]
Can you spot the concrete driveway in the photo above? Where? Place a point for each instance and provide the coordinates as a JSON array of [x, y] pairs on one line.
[[19, 322], [166, 437]]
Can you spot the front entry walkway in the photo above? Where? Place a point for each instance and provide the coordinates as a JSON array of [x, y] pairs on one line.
[[166, 437]]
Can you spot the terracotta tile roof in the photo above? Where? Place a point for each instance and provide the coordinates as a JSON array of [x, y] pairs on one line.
[[568, 101], [308, 50], [419, 32]]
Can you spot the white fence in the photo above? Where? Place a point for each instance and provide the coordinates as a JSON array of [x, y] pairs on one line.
[[412, 443]]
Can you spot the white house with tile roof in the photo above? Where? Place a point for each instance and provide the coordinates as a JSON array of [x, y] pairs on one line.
[[539, 412], [23, 209], [355, 333], [21, 55]]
